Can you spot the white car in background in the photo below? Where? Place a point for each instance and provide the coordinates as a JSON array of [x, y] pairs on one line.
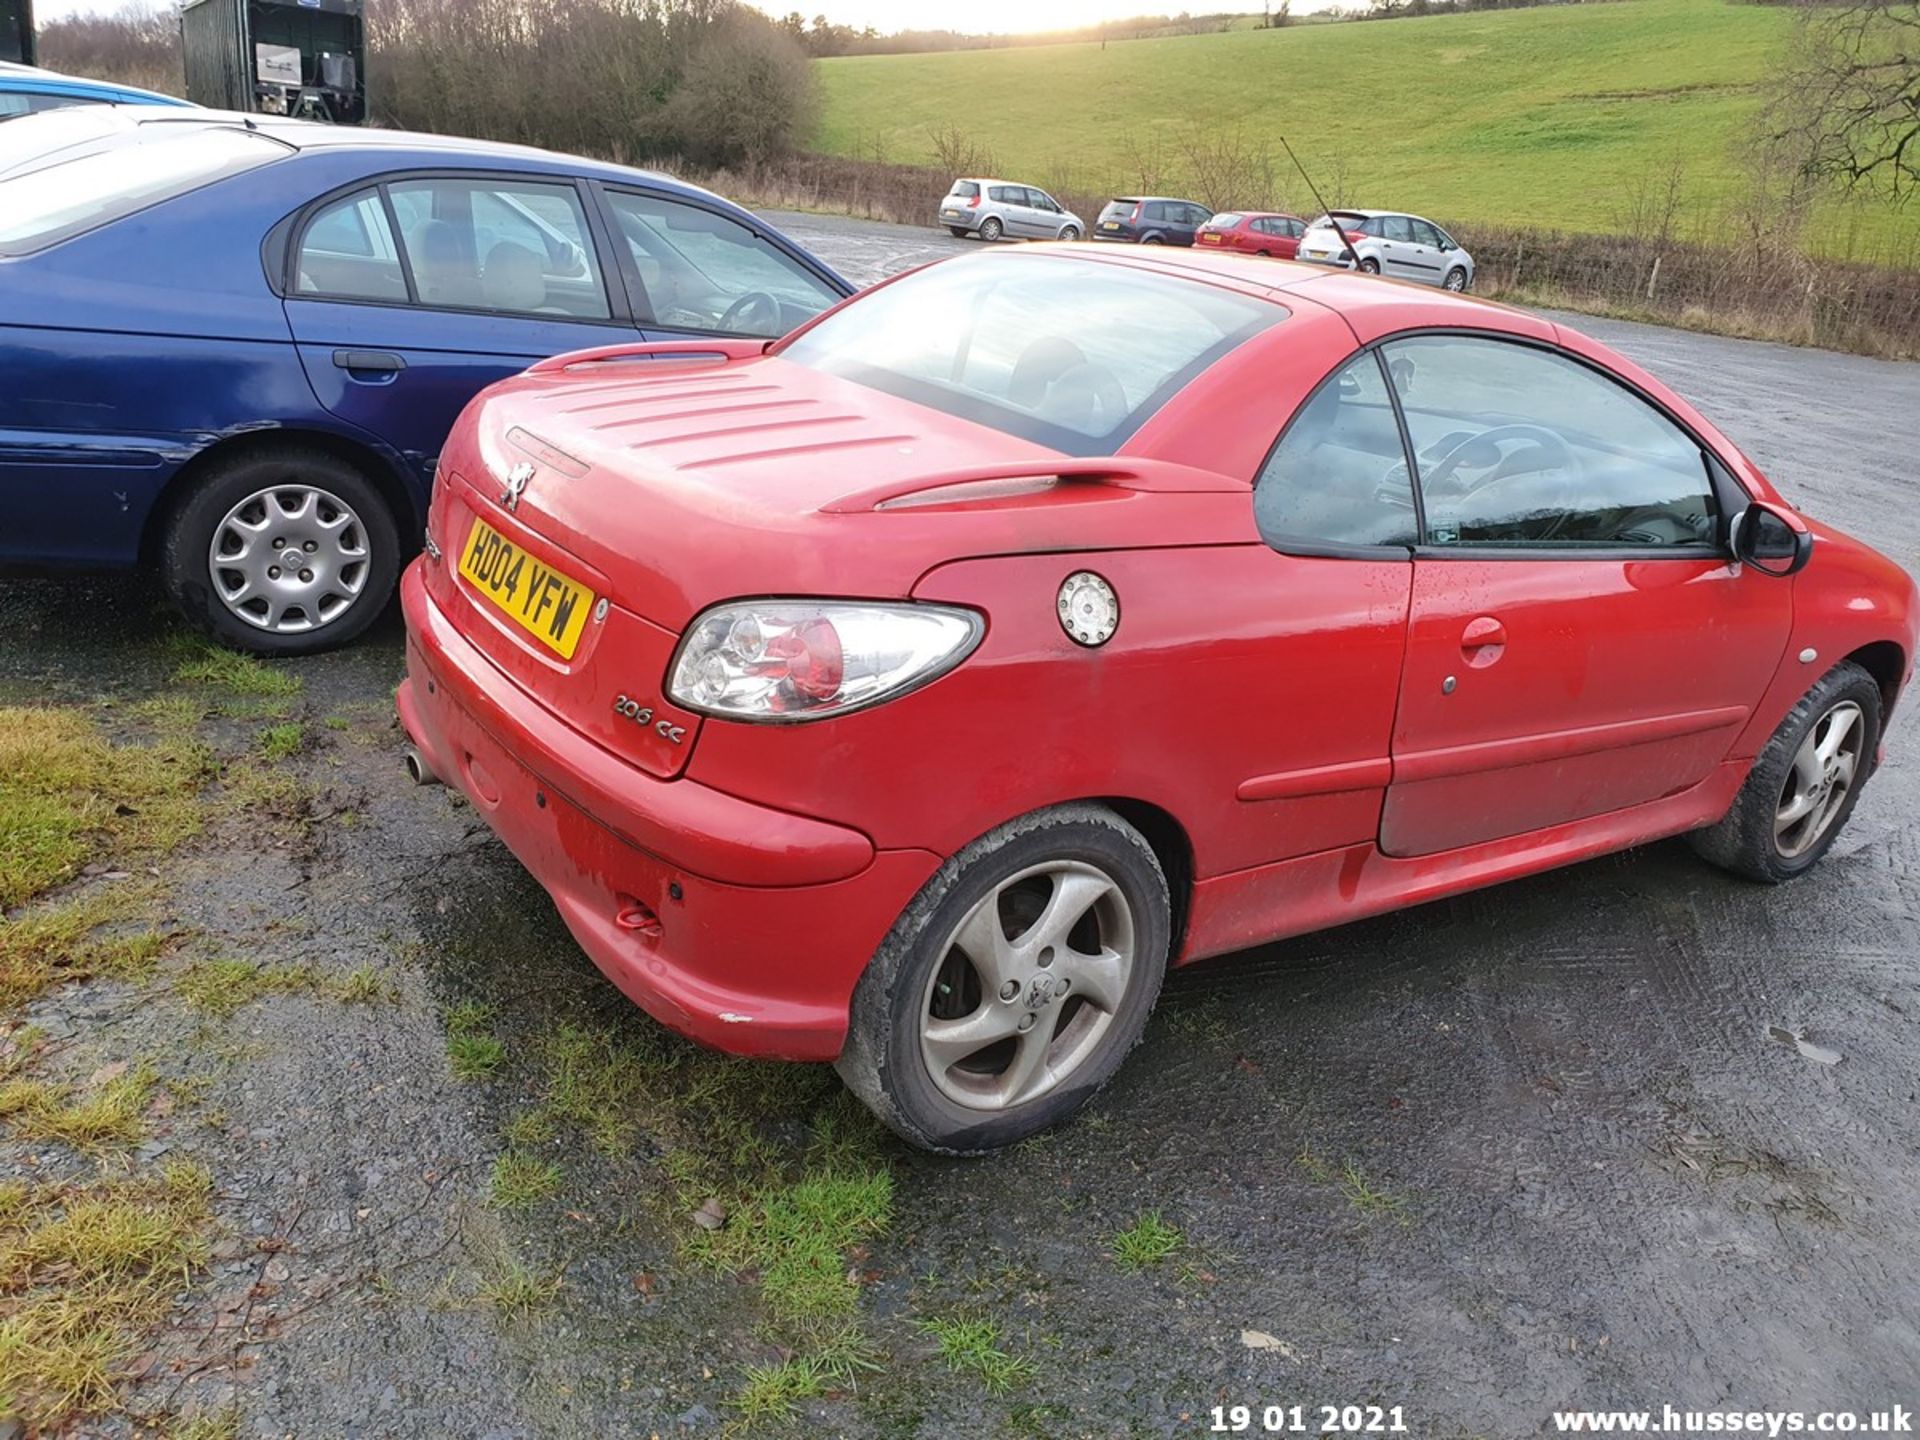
[[1387, 242], [995, 208]]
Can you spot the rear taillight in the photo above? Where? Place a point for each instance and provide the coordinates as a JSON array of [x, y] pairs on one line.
[[973, 202], [1134, 218], [1354, 237]]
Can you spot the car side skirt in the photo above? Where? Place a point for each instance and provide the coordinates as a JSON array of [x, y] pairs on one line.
[[1332, 887]]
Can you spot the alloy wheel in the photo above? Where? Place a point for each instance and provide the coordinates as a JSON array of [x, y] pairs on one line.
[[289, 559], [1819, 780], [1027, 985]]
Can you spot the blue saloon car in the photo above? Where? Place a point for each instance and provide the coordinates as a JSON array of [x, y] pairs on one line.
[[232, 346], [27, 90]]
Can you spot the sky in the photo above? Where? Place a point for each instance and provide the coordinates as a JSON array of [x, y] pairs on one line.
[[974, 16]]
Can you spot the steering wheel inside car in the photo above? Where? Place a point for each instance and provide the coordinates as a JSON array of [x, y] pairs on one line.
[[754, 313], [1546, 453]]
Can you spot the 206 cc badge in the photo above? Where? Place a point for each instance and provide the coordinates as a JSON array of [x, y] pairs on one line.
[[517, 481]]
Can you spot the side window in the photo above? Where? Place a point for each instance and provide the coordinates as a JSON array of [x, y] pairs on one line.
[[1339, 474], [699, 270], [1296, 228], [517, 246], [1425, 234], [1518, 446], [1155, 210], [1197, 216], [1374, 225], [1001, 195], [347, 252], [1398, 227], [1040, 200]]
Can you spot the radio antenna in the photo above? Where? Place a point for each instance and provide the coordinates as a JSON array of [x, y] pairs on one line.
[[1338, 228]]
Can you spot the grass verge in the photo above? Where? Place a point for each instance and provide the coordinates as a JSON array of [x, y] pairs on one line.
[[84, 1274]]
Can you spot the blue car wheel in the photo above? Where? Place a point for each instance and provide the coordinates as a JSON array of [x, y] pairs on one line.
[[282, 552]]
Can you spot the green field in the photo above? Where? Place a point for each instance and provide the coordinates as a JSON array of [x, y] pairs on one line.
[[1547, 117]]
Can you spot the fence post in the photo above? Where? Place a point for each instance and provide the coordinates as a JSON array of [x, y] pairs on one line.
[[1653, 278]]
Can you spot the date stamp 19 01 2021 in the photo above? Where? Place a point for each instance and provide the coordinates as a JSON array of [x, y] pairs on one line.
[[1308, 1420]]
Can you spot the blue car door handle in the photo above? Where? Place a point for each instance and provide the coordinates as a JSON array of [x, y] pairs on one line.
[[375, 367]]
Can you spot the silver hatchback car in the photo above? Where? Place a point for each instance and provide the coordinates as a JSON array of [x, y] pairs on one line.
[[995, 208], [1387, 242]]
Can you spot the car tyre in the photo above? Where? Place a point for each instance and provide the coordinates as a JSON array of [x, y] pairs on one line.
[[1152, 240], [1027, 878], [960, 232], [350, 524], [1070, 232], [1370, 265], [1820, 758], [1456, 280], [990, 228]]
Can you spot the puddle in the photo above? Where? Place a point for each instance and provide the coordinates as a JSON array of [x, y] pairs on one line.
[[1819, 1054]]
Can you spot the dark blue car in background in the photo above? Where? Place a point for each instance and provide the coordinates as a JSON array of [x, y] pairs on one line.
[[231, 347]]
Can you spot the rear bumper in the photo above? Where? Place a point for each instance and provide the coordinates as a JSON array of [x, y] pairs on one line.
[[960, 219], [742, 927]]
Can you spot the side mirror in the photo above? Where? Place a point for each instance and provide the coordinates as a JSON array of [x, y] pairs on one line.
[[1770, 540]]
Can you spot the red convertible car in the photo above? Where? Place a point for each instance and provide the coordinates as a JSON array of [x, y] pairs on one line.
[[910, 692]]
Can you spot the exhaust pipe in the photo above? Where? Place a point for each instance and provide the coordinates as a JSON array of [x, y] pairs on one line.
[[418, 770]]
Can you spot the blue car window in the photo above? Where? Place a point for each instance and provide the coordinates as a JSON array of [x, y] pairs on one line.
[[43, 207], [347, 252], [508, 245], [699, 270], [13, 103]]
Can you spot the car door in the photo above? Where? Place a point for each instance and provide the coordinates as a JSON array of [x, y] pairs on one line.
[[1424, 259], [1334, 504], [1047, 218], [1578, 640], [1397, 256], [692, 271], [409, 296]]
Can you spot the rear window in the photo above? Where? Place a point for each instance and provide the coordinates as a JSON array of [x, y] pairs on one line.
[[1118, 209], [1226, 220], [965, 189], [1347, 219], [42, 207], [1071, 354]]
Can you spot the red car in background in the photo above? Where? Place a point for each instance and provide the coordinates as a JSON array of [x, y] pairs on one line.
[[912, 691], [1253, 233]]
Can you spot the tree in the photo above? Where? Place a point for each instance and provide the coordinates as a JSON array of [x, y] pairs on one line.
[[1847, 102]]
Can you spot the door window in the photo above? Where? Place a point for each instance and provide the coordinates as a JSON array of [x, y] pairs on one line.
[[1397, 227], [347, 252], [1518, 446], [1156, 210], [514, 246], [1339, 474], [699, 270], [1425, 234], [1007, 195]]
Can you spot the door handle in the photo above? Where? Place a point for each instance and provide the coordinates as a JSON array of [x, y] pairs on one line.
[[377, 361], [1483, 641]]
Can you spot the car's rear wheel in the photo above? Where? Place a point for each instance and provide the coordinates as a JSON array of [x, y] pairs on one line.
[[1152, 240], [1015, 983], [990, 228], [282, 552], [1370, 265], [959, 231], [1456, 280], [1804, 784], [1069, 232]]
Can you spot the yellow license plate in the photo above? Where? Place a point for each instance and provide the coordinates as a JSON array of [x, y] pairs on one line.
[[1208, 238], [1109, 224], [548, 605]]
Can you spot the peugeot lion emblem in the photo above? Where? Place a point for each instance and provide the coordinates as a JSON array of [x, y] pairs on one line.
[[517, 479]]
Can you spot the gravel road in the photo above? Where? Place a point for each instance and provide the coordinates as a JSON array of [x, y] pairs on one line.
[[1527, 1149]]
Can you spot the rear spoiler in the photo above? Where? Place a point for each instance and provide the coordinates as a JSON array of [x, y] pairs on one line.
[[722, 350], [1116, 472]]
